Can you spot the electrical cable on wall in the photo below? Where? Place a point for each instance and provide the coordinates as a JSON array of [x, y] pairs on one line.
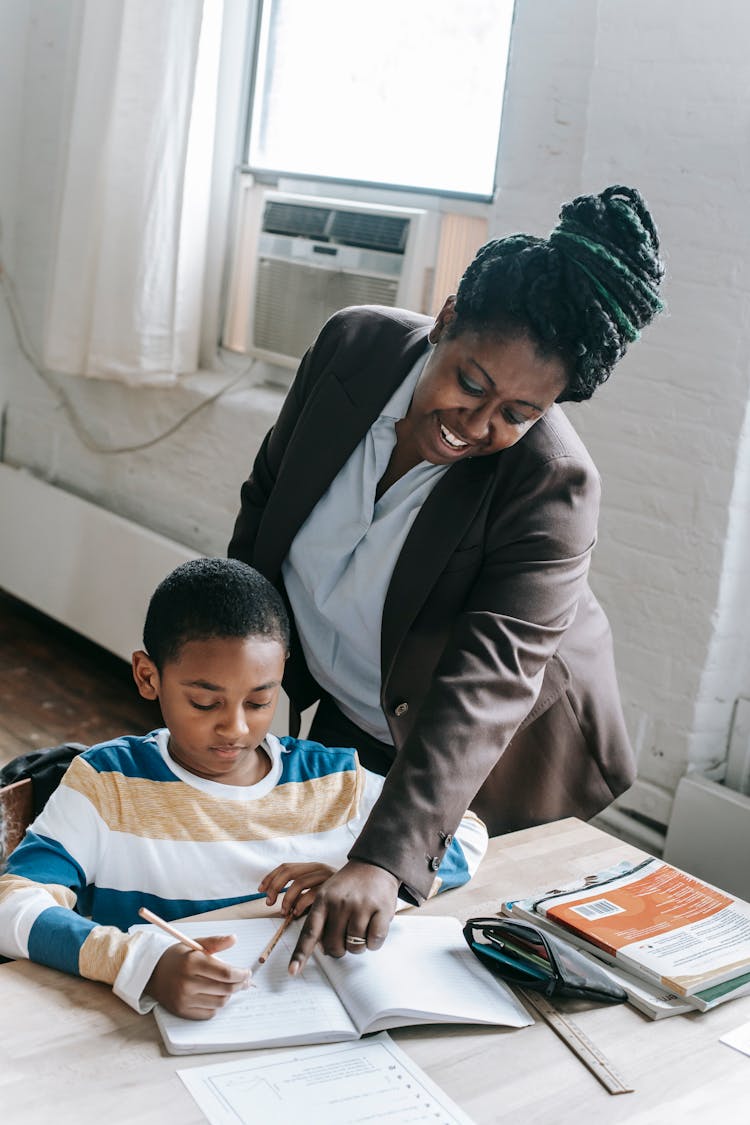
[[49, 379]]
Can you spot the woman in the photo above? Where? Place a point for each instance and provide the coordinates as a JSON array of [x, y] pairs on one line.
[[430, 513]]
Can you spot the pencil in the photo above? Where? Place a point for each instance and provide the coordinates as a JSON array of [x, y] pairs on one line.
[[157, 921], [263, 957]]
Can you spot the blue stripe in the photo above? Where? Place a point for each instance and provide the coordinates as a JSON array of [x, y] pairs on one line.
[[305, 761], [43, 860], [454, 870], [131, 756], [120, 908], [56, 938]]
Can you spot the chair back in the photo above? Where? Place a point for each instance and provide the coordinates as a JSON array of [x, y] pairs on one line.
[[16, 814]]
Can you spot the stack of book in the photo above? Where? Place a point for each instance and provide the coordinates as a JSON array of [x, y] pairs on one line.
[[674, 943]]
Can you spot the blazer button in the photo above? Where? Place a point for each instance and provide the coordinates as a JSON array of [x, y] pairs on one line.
[[400, 709], [434, 862], [447, 839]]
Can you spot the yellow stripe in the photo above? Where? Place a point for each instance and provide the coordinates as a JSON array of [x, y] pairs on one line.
[[103, 952], [166, 810], [9, 884]]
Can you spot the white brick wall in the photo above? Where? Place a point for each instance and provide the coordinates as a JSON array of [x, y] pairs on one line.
[[673, 118], [649, 92], [656, 95]]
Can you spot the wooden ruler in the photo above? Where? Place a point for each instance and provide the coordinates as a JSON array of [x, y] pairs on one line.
[[579, 1044]]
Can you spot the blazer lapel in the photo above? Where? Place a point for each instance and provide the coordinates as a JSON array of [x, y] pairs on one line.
[[338, 413], [443, 520]]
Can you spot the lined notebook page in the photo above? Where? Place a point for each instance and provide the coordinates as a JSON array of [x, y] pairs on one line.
[[425, 970], [279, 1008]]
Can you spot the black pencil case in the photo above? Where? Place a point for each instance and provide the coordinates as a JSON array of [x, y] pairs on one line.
[[520, 953]]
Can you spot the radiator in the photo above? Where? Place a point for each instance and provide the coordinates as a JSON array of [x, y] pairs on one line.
[[709, 833], [78, 563]]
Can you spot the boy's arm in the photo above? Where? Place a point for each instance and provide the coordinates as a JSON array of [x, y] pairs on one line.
[[38, 894], [463, 855], [45, 882]]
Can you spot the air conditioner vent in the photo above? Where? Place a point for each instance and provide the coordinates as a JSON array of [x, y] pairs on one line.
[[300, 258], [292, 300], [373, 232], [296, 219], [326, 224]]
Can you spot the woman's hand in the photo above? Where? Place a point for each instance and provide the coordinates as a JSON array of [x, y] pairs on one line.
[[301, 877], [358, 902], [194, 985]]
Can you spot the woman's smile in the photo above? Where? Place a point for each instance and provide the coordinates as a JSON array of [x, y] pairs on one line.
[[453, 441]]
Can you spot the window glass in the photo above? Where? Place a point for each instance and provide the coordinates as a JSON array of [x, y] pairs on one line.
[[403, 93]]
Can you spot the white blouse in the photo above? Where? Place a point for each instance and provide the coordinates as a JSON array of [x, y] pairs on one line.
[[339, 566]]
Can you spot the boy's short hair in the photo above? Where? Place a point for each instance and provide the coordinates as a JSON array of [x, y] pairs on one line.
[[207, 598]]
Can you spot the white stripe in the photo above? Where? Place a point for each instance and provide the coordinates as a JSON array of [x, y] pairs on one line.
[[472, 836], [18, 913], [371, 790], [71, 819], [144, 949], [183, 869]]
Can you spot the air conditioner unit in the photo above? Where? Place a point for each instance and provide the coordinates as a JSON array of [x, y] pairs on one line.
[[311, 256]]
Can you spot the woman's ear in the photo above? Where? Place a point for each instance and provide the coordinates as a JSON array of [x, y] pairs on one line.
[[146, 675], [443, 319]]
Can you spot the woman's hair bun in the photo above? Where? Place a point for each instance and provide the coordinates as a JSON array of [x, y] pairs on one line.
[[611, 237]]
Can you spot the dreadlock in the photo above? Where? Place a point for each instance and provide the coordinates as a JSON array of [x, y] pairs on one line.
[[583, 294]]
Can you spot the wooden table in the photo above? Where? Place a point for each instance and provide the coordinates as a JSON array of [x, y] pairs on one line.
[[70, 1051]]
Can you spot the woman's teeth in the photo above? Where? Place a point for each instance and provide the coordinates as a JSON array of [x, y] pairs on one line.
[[451, 439]]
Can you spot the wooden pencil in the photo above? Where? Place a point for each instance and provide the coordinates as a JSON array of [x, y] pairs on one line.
[[149, 916], [275, 939]]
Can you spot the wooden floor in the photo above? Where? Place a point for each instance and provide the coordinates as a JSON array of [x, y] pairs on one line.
[[57, 687]]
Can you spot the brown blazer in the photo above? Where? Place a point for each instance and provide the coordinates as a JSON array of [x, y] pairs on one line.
[[498, 680]]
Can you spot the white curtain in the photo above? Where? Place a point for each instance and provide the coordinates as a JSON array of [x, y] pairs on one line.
[[126, 287]]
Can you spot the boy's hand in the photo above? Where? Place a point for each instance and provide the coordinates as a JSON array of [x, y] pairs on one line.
[[302, 879], [194, 985], [357, 902]]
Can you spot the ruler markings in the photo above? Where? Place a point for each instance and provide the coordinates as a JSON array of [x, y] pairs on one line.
[[579, 1043]]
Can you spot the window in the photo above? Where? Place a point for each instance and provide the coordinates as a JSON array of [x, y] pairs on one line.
[[400, 93]]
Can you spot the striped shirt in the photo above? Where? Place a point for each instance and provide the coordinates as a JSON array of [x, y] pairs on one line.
[[129, 827]]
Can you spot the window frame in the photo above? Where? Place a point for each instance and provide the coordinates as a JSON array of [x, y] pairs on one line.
[[321, 184]]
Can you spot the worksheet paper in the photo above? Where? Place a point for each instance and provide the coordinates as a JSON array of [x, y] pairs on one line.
[[739, 1038], [370, 1080]]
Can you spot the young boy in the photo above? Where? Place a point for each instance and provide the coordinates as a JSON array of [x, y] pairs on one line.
[[210, 811]]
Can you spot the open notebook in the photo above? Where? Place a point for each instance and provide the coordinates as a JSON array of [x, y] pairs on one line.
[[425, 973]]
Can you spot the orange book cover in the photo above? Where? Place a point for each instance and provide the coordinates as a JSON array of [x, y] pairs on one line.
[[657, 921], [659, 901]]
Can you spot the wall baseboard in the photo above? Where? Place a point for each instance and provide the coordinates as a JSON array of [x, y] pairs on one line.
[[78, 563]]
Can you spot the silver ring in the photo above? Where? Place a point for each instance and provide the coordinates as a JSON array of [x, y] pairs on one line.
[[355, 940]]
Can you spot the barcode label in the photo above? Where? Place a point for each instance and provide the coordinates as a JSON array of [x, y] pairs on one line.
[[598, 909]]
